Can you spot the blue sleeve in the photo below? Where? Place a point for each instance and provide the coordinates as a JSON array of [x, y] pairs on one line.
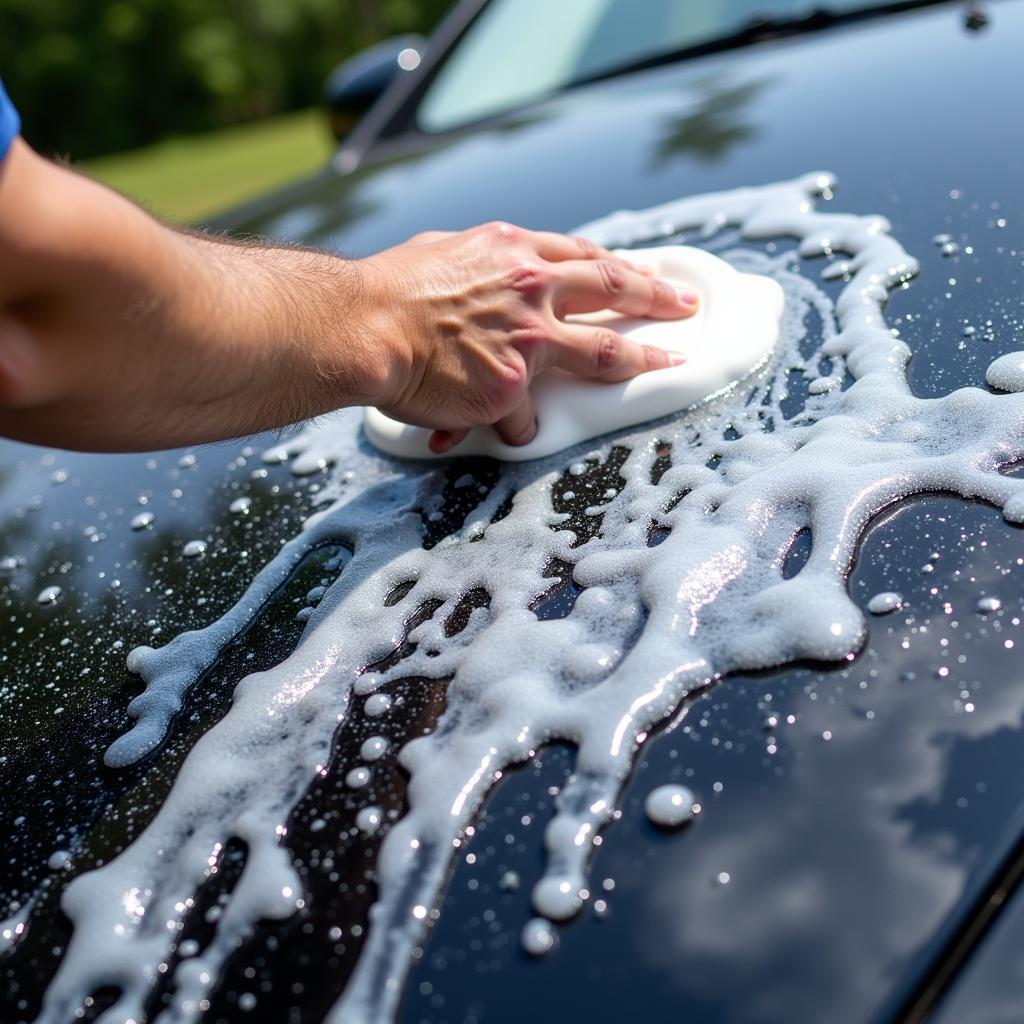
[[10, 125]]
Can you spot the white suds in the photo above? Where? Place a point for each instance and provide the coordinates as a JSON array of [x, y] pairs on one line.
[[377, 705], [670, 806], [539, 937], [58, 859], [374, 748], [887, 601], [1007, 372], [368, 819], [742, 480]]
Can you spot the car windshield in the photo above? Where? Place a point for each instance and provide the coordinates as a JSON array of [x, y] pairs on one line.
[[517, 51]]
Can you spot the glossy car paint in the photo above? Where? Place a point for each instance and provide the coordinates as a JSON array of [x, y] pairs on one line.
[[839, 858]]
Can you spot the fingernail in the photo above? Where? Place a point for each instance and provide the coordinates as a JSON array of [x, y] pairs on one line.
[[687, 298], [440, 441], [676, 358]]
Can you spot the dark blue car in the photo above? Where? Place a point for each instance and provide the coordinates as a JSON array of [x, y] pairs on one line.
[[853, 835]]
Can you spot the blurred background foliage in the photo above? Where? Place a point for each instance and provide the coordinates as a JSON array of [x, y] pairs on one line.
[[92, 77]]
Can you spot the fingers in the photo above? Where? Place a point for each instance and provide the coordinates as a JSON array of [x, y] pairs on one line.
[[603, 354], [583, 286], [517, 428], [441, 441], [520, 425], [556, 248]]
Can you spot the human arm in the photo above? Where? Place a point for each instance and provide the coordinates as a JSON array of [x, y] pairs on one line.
[[118, 332]]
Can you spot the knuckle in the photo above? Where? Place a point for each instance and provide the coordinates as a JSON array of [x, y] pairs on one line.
[[529, 333], [613, 277], [505, 390], [501, 231], [528, 278], [588, 250], [607, 351]]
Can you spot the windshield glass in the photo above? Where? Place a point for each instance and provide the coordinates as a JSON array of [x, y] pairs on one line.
[[517, 51]]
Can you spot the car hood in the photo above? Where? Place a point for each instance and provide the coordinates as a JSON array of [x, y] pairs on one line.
[[904, 109], [856, 856]]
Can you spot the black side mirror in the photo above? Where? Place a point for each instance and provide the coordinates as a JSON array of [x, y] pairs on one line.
[[355, 85]]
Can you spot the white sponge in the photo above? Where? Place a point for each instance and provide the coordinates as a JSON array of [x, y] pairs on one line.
[[731, 335]]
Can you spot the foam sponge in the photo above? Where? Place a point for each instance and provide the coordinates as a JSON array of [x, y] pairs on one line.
[[730, 336]]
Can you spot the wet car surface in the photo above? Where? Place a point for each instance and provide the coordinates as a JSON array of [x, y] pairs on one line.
[[854, 819]]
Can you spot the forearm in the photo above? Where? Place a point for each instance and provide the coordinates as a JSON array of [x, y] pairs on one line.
[[117, 332]]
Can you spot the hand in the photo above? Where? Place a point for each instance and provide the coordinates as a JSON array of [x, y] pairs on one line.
[[470, 318]]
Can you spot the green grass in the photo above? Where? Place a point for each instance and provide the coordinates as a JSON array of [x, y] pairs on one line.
[[185, 179]]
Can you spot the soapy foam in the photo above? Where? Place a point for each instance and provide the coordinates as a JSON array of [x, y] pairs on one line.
[[670, 806], [726, 491]]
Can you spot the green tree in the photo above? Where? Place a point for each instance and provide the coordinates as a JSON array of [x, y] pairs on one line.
[[97, 76]]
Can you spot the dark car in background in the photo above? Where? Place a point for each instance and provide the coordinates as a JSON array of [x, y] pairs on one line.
[[863, 834]]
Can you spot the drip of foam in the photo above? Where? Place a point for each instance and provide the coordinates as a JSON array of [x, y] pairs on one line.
[[1007, 372], [730, 335], [648, 627]]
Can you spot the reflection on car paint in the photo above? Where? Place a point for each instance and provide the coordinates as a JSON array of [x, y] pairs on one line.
[[645, 632]]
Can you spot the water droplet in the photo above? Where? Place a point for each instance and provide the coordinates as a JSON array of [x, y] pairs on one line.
[[374, 748], [377, 704], [508, 882], [49, 595], [246, 1001], [358, 777], [187, 461], [887, 601], [670, 806], [368, 819], [273, 456], [58, 476], [240, 506], [142, 521], [9, 564], [194, 548], [58, 859], [539, 936], [988, 604], [950, 249]]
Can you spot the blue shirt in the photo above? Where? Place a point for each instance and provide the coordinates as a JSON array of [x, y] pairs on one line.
[[10, 125]]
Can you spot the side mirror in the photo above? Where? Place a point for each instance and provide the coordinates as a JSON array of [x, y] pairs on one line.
[[355, 85]]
